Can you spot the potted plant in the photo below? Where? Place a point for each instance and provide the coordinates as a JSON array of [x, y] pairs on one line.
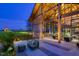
[[78, 41], [78, 44], [67, 37], [53, 35]]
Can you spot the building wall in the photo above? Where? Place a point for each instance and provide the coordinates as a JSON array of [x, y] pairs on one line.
[[50, 14]]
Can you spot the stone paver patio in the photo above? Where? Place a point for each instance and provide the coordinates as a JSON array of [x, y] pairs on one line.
[[50, 48]]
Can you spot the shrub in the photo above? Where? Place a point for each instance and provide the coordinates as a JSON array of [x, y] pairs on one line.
[[7, 40], [23, 36]]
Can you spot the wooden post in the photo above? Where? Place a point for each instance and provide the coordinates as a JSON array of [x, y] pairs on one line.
[[41, 23], [59, 23], [40, 26]]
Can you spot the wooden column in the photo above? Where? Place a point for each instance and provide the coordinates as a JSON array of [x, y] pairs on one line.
[[40, 25], [49, 27], [42, 22], [40, 34], [59, 23]]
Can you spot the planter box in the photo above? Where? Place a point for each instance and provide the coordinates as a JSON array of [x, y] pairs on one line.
[[54, 37], [78, 45], [67, 39]]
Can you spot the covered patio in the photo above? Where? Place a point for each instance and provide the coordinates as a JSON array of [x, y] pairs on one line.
[[56, 20]]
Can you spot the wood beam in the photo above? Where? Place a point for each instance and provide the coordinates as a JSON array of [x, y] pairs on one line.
[[70, 14], [47, 10]]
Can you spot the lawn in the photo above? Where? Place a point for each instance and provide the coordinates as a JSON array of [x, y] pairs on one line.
[[18, 35]]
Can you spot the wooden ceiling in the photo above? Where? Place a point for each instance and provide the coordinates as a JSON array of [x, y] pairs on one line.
[[51, 10]]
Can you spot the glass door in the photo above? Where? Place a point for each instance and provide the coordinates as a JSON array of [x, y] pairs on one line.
[[55, 30], [75, 27]]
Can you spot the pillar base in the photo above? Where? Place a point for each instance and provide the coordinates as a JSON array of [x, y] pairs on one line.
[[59, 41]]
